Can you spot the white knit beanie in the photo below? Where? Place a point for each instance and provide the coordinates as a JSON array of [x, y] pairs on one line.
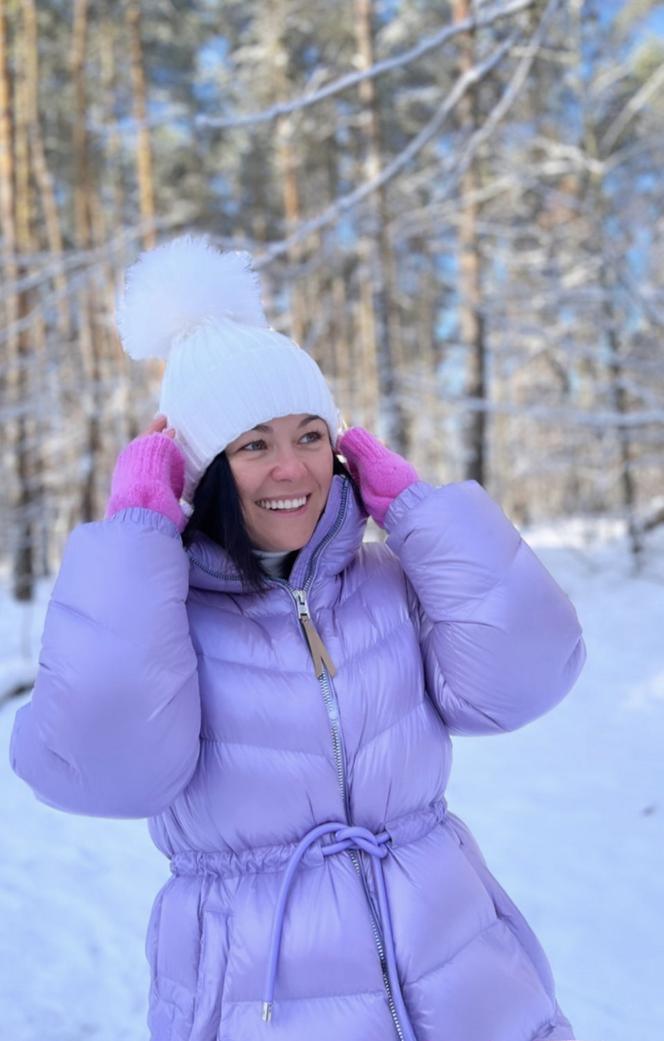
[[226, 368]]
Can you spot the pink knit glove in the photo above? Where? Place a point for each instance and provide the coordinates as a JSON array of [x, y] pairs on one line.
[[380, 473], [149, 472]]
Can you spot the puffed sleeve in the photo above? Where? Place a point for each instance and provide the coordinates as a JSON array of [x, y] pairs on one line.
[[500, 640], [113, 726]]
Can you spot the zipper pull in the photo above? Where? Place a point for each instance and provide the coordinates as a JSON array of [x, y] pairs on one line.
[[317, 649]]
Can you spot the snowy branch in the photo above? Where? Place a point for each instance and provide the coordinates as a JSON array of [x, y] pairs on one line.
[[514, 87], [565, 416], [634, 105], [333, 212], [479, 20]]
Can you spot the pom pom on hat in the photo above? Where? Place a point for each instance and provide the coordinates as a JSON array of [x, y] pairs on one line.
[[226, 368], [173, 288]]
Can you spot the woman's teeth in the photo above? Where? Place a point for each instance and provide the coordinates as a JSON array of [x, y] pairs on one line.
[[282, 504]]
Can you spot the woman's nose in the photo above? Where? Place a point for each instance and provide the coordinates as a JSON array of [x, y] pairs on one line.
[[288, 467]]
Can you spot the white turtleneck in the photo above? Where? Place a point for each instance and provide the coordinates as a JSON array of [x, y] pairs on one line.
[[277, 563]]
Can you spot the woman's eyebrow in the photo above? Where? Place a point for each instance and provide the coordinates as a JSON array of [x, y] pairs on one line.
[[265, 427]]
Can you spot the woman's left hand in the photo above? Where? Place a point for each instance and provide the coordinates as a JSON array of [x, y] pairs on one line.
[[380, 474]]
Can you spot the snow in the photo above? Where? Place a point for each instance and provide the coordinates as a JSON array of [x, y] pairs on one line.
[[569, 812]]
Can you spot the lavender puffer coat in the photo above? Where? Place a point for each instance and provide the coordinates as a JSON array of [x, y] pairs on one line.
[[320, 888]]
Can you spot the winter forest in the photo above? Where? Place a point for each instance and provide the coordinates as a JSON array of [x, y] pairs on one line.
[[454, 206], [457, 208]]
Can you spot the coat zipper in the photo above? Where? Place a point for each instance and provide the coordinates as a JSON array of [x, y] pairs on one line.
[[337, 741], [321, 663], [324, 670], [332, 707]]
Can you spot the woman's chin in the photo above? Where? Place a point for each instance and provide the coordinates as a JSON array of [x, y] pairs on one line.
[[274, 542], [283, 534]]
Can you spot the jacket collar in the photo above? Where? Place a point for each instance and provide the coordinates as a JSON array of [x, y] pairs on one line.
[[330, 549]]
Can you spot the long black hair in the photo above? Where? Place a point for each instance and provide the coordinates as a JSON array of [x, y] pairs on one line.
[[218, 514]]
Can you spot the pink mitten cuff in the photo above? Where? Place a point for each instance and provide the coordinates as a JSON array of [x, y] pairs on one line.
[[149, 472], [380, 473]]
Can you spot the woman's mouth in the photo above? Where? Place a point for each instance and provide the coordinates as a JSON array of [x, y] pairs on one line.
[[290, 506]]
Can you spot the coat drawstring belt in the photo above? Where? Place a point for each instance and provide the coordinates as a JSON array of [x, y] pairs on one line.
[[348, 837]]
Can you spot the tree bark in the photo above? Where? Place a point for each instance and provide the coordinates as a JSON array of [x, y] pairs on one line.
[[471, 316], [290, 192], [40, 167], [9, 375], [146, 192], [7, 195], [83, 217], [30, 342], [600, 218], [384, 328]]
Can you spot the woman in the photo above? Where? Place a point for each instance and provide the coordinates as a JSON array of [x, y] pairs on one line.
[[224, 655]]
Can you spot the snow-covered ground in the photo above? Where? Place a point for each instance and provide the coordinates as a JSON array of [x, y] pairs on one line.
[[569, 812]]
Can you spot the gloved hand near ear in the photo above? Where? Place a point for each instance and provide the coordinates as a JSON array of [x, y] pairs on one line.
[[380, 474], [149, 472]]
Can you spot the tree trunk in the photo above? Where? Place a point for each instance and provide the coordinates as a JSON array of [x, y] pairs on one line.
[[9, 376], [340, 330], [29, 342], [113, 205], [7, 199], [384, 327], [139, 106], [40, 168], [617, 392], [471, 317], [366, 365], [600, 217], [287, 155], [428, 411], [287, 163], [89, 349]]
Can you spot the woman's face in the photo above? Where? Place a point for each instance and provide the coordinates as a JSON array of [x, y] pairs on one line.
[[283, 472]]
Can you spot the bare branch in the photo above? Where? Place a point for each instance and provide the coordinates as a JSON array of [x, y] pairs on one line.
[[635, 103], [509, 96], [565, 416], [479, 20], [347, 202]]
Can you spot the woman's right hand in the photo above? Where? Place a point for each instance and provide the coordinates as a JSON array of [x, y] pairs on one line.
[[149, 472], [157, 427]]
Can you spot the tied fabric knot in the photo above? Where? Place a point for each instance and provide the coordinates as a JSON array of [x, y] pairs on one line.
[[347, 836], [352, 836]]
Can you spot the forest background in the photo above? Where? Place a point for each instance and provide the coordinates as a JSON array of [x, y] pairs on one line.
[[456, 207]]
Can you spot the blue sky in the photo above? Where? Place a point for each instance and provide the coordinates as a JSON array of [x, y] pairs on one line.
[[655, 22]]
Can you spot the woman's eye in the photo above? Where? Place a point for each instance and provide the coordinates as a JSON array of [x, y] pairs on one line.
[[309, 438]]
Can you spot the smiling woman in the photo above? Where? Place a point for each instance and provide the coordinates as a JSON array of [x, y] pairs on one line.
[[220, 515], [283, 479], [224, 654]]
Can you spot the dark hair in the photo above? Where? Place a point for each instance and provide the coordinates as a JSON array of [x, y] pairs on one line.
[[218, 514]]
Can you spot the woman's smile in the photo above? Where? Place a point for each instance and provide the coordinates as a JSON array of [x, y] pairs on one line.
[[293, 504], [282, 471]]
